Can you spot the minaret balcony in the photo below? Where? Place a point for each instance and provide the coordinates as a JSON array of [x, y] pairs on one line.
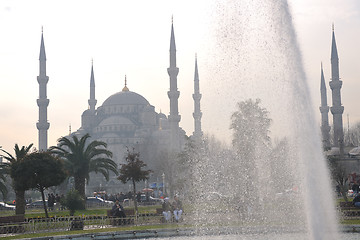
[[42, 126], [42, 102], [197, 115], [173, 71], [42, 79], [337, 109], [335, 84], [197, 97], [173, 94]]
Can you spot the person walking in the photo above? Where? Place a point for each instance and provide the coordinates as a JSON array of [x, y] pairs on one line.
[[177, 205], [166, 207]]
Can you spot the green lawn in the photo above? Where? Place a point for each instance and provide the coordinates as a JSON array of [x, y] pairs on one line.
[[40, 213], [34, 213], [118, 229]]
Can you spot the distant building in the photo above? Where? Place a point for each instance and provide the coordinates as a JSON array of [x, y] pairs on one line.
[[347, 156], [127, 120]]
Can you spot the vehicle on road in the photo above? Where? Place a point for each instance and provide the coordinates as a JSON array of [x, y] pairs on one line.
[[97, 201], [38, 204], [5, 206]]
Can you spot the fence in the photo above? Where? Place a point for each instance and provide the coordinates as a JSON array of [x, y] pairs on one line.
[[74, 223]]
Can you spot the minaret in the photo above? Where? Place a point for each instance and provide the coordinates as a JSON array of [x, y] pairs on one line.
[[324, 109], [335, 84], [42, 125], [92, 101], [197, 97], [174, 117]]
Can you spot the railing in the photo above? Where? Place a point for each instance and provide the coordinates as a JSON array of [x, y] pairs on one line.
[[71, 223]]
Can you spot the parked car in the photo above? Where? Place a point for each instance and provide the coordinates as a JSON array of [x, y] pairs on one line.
[[156, 200], [96, 201], [38, 204], [5, 206]]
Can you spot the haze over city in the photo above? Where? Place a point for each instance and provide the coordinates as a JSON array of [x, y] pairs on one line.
[[132, 38]]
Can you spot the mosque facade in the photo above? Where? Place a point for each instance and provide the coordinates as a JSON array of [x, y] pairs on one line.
[[127, 120]]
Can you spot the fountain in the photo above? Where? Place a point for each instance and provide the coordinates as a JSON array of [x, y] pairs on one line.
[[256, 56]]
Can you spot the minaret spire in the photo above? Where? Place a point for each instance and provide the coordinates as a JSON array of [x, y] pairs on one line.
[[125, 89], [92, 101], [197, 97], [42, 125], [173, 94], [324, 109], [335, 84]]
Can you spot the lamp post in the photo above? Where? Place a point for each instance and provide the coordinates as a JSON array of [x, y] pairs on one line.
[[163, 182]]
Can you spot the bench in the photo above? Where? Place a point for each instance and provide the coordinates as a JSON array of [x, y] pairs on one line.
[[115, 221], [346, 206], [348, 209], [12, 224]]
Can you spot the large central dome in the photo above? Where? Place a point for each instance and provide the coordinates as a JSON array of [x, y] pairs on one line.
[[125, 98]]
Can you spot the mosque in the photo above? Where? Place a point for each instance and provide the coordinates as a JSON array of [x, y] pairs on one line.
[[348, 156], [127, 120]]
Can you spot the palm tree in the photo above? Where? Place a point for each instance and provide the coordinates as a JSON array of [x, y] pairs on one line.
[[10, 168], [81, 159], [3, 172]]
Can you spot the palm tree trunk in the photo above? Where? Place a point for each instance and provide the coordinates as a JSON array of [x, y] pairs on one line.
[[134, 197], [20, 202], [80, 187]]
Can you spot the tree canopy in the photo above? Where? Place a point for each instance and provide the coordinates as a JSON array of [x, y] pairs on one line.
[[10, 168], [250, 124], [3, 172], [81, 158], [39, 171], [133, 171]]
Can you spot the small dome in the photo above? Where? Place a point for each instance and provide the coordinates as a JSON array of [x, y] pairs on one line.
[[88, 112], [161, 115], [125, 98]]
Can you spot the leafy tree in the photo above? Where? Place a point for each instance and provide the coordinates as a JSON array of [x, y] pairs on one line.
[[352, 137], [81, 159], [250, 124], [338, 175], [73, 201], [132, 171], [10, 167], [283, 176], [40, 170]]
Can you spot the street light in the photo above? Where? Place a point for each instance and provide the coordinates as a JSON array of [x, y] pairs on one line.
[[163, 181]]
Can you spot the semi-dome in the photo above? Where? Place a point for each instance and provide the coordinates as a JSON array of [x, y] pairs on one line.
[[115, 120], [125, 98]]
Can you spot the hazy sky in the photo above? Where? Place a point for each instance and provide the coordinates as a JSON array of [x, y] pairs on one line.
[[132, 38]]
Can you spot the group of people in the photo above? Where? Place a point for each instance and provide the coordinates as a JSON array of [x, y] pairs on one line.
[[175, 207], [52, 199]]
